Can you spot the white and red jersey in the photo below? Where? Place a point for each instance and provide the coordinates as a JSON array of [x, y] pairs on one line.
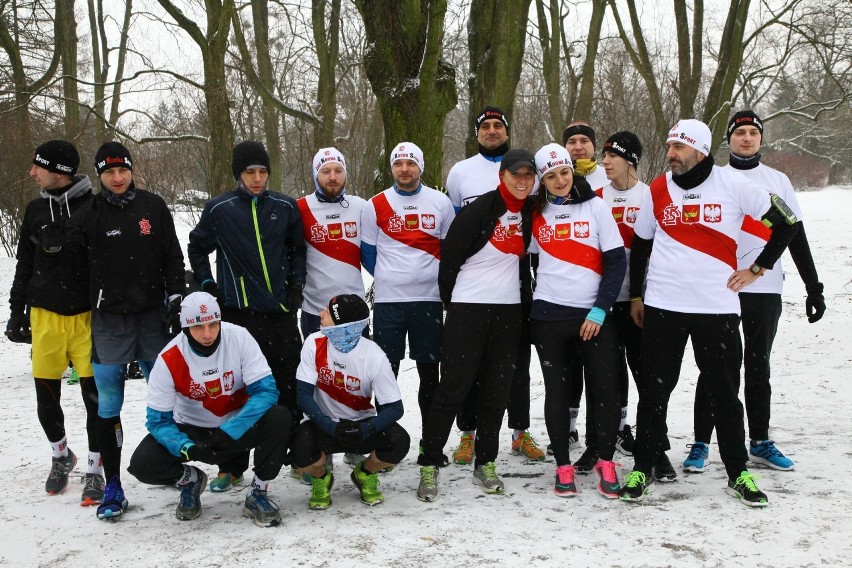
[[471, 178], [332, 234], [407, 231], [695, 240], [206, 391], [597, 179], [569, 240], [625, 205], [491, 275], [754, 234], [347, 382]]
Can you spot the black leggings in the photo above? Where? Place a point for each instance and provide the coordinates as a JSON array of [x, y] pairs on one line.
[[560, 349], [309, 442], [50, 415]]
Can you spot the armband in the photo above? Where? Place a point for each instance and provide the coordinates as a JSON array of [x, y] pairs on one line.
[[778, 211]]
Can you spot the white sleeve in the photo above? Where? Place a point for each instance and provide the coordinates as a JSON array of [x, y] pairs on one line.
[[609, 237], [369, 228], [253, 364], [307, 370], [385, 385], [447, 216], [161, 388], [453, 189], [788, 194], [646, 224], [753, 200]]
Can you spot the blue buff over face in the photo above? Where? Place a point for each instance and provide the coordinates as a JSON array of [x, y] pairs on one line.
[[344, 337]]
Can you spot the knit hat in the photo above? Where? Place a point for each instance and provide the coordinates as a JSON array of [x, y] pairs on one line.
[[575, 129], [112, 155], [491, 112], [515, 159], [326, 155], [624, 144], [408, 151], [199, 308], [550, 157], [348, 308], [744, 118], [247, 154], [57, 156], [693, 133]]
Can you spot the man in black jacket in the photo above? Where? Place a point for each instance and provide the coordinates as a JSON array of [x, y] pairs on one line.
[[135, 280], [53, 284]]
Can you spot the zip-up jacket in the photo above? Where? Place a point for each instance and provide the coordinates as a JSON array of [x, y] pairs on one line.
[[260, 250], [135, 260], [55, 281]]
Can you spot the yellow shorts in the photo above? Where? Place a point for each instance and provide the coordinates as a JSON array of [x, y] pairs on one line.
[[58, 339]]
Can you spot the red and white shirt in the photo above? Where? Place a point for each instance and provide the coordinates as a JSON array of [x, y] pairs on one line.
[[695, 240], [206, 391], [625, 205], [471, 178], [754, 234], [347, 382], [597, 179], [491, 275], [407, 231], [332, 234], [569, 240]]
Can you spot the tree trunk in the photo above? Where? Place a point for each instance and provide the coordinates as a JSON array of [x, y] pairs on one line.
[[66, 24], [327, 41], [260, 19], [586, 98], [415, 88]]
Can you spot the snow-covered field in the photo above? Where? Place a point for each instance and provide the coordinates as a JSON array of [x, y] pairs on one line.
[[688, 523]]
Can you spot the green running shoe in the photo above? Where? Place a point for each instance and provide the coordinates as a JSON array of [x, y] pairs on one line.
[[321, 491], [368, 485]]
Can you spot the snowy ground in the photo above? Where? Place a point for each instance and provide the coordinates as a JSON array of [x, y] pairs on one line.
[[689, 523]]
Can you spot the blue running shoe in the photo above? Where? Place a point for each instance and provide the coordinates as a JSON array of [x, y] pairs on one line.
[[765, 453], [262, 510], [114, 503], [694, 463]]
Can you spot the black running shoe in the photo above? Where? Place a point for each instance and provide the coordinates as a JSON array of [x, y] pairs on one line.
[[587, 461], [663, 470], [636, 485], [746, 490], [134, 372], [189, 502], [624, 441]]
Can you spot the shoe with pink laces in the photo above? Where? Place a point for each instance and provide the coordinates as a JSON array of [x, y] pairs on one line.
[[608, 484], [565, 486]]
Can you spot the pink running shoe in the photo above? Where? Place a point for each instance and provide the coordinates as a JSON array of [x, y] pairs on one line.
[[564, 486], [608, 484]]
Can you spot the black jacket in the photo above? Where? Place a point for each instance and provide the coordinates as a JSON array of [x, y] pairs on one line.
[[470, 231], [260, 249], [55, 281], [135, 260]]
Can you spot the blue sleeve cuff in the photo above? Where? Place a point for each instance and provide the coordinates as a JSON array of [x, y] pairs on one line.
[[596, 315], [368, 257]]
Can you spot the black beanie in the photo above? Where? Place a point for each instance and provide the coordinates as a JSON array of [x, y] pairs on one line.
[[247, 154], [491, 112], [624, 144], [575, 129], [348, 308], [744, 118], [57, 156], [112, 155]]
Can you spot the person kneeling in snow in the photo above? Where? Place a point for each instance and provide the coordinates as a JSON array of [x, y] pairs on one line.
[[339, 373], [211, 396]]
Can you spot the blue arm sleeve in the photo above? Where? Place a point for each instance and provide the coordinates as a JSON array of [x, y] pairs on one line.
[[162, 426], [368, 257], [615, 265], [457, 209], [263, 395], [305, 399], [388, 414]]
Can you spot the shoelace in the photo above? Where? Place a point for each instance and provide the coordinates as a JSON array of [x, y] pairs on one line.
[[529, 442], [489, 471], [565, 474], [59, 468], [608, 471], [427, 475], [111, 492], [769, 448], [466, 443], [262, 501], [634, 478], [187, 499], [748, 480], [696, 451], [91, 482]]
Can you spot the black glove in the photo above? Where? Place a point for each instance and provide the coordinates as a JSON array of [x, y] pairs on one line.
[[171, 313], [294, 297], [348, 432], [211, 288], [18, 328], [367, 429], [814, 304], [218, 440]]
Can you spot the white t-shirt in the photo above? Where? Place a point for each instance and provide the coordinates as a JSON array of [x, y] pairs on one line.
[[625, 205], [695, 247], [597, 178], [570, 240], [491, 275], [754, 234], [333, 238], [206, 391], [407, 231], [346, 382], [471, 178]]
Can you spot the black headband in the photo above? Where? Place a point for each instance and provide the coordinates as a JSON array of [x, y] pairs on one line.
[[575, 129]]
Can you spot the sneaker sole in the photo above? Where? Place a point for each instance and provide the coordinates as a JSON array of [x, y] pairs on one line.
[[462, 462], [604, 492], [232, 485], [113, 515], [693, 469], [730, 491], [487, 490], [427, 498], [527, 456], [189, 516], [648, 490], [247, 513], [568, 493], [766, 463], [88, 502], [666, 479]]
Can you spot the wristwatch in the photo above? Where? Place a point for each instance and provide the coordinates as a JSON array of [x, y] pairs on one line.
[[757, 270]]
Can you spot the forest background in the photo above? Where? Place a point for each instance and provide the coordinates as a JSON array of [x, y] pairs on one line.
[[179, 82]]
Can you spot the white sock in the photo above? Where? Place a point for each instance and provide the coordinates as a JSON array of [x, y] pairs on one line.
[[258, 484], [518, 434], [574, 412], [190, 475], [471, 433], [60, 448], [623, 418], [96, 464]]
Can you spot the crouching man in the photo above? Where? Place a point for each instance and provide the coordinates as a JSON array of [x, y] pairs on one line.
[[212, 396], [339, 373]]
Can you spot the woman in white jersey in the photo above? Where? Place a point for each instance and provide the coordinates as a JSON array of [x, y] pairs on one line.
[[580, 272]]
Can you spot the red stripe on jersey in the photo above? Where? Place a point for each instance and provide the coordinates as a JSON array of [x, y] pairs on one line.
[[754, 227], [508, 240], [599, 191], [338, 248], [693, 235], [394, 226], [333, 383], [627, 233], [210, 393], [567, 250]]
